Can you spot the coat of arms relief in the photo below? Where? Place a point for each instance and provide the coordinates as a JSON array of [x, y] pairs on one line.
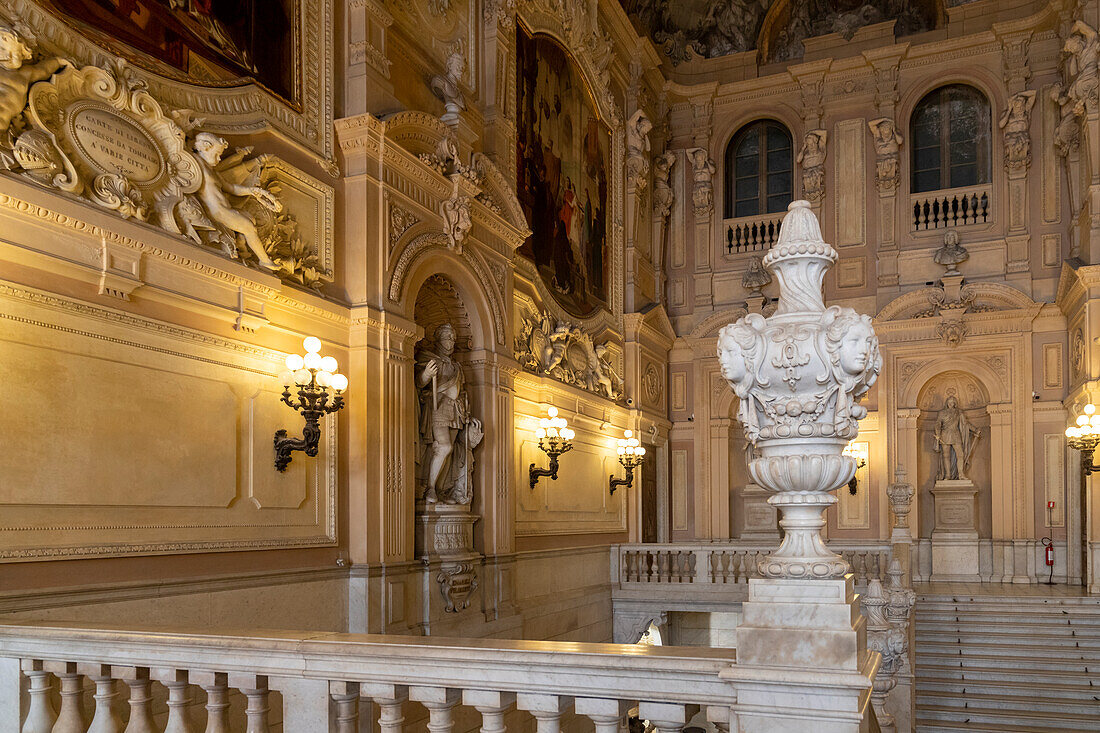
[[99, 135]]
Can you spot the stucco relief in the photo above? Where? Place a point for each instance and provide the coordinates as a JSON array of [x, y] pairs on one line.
[[563, 350], [99, 134]]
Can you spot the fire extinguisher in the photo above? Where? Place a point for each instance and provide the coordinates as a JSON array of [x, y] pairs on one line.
[[1049, 545]]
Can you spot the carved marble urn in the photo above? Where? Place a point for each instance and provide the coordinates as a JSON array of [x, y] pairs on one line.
[[799, 376]]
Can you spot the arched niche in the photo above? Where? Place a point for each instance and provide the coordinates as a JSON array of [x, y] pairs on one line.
[[974, 400]]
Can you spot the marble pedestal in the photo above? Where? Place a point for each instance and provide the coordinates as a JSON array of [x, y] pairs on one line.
[[802, 645], [955, 536], [445, 545], [761, 522]]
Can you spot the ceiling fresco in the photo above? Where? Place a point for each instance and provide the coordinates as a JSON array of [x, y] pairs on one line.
[[685, 29]]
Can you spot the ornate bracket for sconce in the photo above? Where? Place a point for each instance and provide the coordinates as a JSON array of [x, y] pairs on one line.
[[555, 438], [631, 454], [314, 376], [853, 485]]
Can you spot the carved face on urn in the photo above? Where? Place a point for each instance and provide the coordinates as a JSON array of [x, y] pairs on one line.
[[856, 347], [731, 357], [13, 52]]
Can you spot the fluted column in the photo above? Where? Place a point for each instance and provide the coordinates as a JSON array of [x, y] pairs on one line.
[[547, 710], [70, 719], [40, 715], [492, 706], [440, 702], [607, 715]]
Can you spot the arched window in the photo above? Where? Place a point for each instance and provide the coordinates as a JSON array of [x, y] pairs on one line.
[[759, 170], [949, 134]]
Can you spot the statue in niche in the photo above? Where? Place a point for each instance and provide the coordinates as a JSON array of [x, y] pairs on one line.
[[1082, 49], [888, 142], [448, 433], [213, 192], [702, 171], [955, 440], [663, 194], [637, 149], [1067, 133], [951, 254]]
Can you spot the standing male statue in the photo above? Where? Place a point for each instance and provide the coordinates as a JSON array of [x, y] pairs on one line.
[[955, 439], [448, 434]]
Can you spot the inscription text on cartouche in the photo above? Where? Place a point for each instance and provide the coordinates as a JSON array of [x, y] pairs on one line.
[[114, 144]]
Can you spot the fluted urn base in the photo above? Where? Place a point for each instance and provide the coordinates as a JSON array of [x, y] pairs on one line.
[[802, 483]]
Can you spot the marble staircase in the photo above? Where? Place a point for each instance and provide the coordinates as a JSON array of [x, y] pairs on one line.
[[1007, 663]]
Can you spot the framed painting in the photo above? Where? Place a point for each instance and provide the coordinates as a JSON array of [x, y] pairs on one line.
[[204, 41], [562, 175]]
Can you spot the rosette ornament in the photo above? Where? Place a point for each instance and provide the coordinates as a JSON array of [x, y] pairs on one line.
[[799, 376]]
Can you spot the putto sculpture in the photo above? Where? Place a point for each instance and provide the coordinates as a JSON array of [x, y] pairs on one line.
[[799, 376]]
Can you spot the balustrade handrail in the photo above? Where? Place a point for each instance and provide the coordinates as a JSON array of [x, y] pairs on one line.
[[592, 670], [951, 207], [744, 234]]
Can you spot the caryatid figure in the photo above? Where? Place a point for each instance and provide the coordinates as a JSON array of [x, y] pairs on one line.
[[448, 434]]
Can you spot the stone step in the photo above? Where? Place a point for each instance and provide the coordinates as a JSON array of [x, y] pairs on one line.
[[972, 674], [1008, 649], [928, 726], [1040, 616], [1027, 704], [1079, 604], [1068, 639], [1033, 721], [1005, 662]]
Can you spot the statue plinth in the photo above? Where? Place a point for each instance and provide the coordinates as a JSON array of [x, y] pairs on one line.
[[955, 536], [445, 544]]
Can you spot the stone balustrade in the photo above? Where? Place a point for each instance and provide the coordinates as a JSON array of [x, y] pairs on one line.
[[952, 207], [547, 679], [724, 563], [752, 233]]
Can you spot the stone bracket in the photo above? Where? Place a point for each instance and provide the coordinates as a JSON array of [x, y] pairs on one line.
[[119, 270]]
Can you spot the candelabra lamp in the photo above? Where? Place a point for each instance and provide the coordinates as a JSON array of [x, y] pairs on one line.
[[555, 437], [631, 454], [1084, 436], [859, 455], [319, 392]]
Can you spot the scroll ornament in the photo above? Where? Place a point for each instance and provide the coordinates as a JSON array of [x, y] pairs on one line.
[[800, 375], [98, 134]]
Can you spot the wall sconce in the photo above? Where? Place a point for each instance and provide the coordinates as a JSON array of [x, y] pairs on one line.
[[314, 375], [555, 438], [631, 454], [1085, 436], [860, 456]]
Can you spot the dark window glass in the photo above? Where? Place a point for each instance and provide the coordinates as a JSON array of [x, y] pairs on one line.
[[758, 170], [950, 132]]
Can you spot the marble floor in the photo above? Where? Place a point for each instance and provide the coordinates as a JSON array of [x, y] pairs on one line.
[[1059, 590]]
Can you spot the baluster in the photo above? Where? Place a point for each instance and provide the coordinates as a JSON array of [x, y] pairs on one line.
[[390, 700], [667, 717], [969, 216], [41, 715], [216, 687], [141, 712], [714, 561], [106, 718], [491, 705], [861, 574], [440, 702], [607, 715], [547, 710], [254, 689], [70, 719], [683, 563], [719, 717], [631, 566], [662, 565], [724, 567], [179, 699], [346, 697], [985, 206]]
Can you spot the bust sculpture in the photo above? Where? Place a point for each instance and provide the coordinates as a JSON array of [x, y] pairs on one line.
[[955, 439], [951, 254], [799, 376], [448, 433]]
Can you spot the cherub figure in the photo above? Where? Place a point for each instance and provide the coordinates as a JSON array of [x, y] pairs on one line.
[[213, 192], [17, 76]]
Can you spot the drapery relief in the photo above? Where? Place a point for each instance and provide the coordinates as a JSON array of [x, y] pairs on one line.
[[98, 134], [566, 352]]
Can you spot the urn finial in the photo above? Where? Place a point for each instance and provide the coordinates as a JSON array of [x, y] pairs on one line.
[[799, 261]]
